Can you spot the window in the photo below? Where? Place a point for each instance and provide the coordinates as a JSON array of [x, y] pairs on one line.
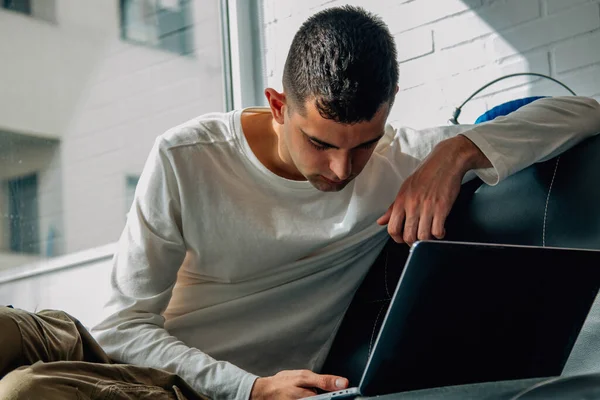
[[23, 214], [130, 185], [22, 6], [80, 112], [165, 24], [39, 9]]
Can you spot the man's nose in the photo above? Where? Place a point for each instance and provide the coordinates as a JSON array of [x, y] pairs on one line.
[[341, 165]]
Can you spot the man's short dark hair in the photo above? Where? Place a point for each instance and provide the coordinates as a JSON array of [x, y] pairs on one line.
[[345, 59]]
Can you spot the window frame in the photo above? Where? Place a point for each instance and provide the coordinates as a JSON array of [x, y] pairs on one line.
[[244, 62]]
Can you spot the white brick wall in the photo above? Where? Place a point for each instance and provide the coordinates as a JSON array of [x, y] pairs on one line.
[[402, 17], [578, 52], [449, 48], [414, 44], [484, 21], [544, 31]]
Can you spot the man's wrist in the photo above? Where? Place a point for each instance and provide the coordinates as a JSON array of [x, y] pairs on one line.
[[468, 155]]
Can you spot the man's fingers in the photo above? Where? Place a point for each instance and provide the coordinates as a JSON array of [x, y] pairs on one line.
[[437, 228], [385, 218], [329, 383], [424, 230], [396, 223], [411, 225]]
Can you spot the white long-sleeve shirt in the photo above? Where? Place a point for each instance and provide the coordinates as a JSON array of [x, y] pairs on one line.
[[226, 271]]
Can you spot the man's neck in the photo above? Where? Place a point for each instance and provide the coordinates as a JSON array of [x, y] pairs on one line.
[[263, 136]]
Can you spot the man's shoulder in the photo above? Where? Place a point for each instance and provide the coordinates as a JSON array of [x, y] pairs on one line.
[[207, 129]]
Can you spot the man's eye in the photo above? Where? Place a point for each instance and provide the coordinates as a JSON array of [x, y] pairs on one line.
[[367, 145], [317, 145]]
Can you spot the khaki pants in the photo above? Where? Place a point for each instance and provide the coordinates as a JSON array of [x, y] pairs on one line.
[[50, 355]]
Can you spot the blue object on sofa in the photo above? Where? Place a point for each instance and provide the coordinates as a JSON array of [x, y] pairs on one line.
[[506, 108]]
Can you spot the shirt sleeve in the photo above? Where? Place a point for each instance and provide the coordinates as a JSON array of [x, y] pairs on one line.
[[148, 256], [534, 133]]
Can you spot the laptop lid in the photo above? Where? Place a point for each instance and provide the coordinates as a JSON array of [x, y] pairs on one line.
[[467, 313]]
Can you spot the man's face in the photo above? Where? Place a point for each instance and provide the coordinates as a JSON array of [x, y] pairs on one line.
[[327, 153]]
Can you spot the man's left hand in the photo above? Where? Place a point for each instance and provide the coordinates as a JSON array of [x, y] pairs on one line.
[[428, 194]]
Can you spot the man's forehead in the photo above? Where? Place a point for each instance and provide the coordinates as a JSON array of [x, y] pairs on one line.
[[313, 124]]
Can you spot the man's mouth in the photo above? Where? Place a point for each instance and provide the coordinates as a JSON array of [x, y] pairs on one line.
[[337, 182]]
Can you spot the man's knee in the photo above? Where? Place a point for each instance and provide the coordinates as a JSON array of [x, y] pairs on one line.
[[38, 381], [21, 384], [10, 337]]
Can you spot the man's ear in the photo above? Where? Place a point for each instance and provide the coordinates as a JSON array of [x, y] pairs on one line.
[[277, 104]]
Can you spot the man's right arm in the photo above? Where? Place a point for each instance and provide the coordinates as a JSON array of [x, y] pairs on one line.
[[149, 254]]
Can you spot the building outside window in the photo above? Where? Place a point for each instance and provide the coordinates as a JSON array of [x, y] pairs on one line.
[[23, 214], [83, 100], [22, 6], [164, 24]]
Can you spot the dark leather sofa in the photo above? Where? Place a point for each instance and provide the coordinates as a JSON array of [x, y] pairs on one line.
[[555, 203]]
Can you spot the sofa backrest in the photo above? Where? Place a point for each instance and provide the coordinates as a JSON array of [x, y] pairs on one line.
[[555, 203]]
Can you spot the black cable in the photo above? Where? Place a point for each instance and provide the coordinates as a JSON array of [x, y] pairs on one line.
[[457, 110]]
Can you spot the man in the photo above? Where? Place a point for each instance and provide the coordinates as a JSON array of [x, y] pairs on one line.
[[251, 230]]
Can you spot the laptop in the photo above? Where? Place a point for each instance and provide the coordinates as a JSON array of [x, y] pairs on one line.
[[467, 313]]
